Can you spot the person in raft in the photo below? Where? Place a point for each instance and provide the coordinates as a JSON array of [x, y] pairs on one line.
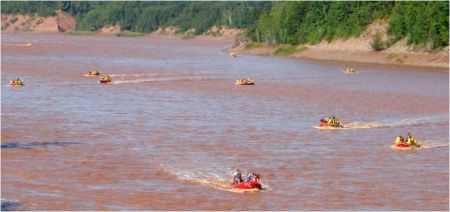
[[399, 140], [251, 177], [412, 141], [237, 177]]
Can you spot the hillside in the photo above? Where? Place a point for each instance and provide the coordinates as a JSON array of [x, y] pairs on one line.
[[61, 22], [355, 50]]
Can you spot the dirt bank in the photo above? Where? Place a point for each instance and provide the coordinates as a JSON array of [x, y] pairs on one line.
[[62, 22], [360, 50]]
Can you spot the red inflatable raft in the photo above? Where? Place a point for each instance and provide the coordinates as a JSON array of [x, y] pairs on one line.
[[324, 123], [247, 185], [16, 83], [402, 145]]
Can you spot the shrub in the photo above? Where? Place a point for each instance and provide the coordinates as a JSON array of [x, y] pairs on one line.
[[286, 50], [378, 44], [254, 45]]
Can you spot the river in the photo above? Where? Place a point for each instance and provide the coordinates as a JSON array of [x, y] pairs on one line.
[[172, 126]]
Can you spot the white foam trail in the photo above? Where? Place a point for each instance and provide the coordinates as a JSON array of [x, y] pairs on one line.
[[165, 79], [18, 44], [134, 75], [359, 125], [398, 122], [209, 179], [414, 121], [429, 144], [354, 125], [53, 84]]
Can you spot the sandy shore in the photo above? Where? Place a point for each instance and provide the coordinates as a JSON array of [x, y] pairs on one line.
[[359, 50], [436, 61]]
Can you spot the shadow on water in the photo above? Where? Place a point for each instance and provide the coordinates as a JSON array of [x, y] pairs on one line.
[[14, 145], [10, 206]]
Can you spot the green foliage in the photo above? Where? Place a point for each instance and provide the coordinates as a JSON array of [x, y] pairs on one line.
[[188, 36], [44, 8], [310, 22], [392, 56], [145, 16], [290, 22], [94, 20], [286, 50], [378, 44], [423, 23], [130, 34], [78, 32], [252, 45]]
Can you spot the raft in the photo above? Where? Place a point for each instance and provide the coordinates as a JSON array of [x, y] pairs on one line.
[[244, 82], [325, 124], [403, 146], [105, 79], [350, 71], [15, 83], [247, 185], [92, 74]]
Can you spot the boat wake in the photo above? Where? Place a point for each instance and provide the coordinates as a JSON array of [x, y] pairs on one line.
[[207, 178], [355, 125], [165, 79], [18, 44], [430, 144], [412, 121], [359, 125], [397, 122], [134, 75], [53, 84]]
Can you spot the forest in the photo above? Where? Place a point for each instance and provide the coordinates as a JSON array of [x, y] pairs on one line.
[[292, 22]]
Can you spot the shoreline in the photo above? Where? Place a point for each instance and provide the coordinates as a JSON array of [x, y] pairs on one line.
[[124, 35], [419, 60]]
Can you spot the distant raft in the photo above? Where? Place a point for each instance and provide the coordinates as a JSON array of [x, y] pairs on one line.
[[350, 71], [232, 54], [105, 79], [16, 83], [244, 82], [92, 73], [330, 122]]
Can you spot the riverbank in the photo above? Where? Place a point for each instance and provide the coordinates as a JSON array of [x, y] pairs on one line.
[[64, 23], [438, 61], [356, 50]]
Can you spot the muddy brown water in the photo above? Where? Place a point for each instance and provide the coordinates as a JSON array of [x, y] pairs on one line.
[[170, 129]]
